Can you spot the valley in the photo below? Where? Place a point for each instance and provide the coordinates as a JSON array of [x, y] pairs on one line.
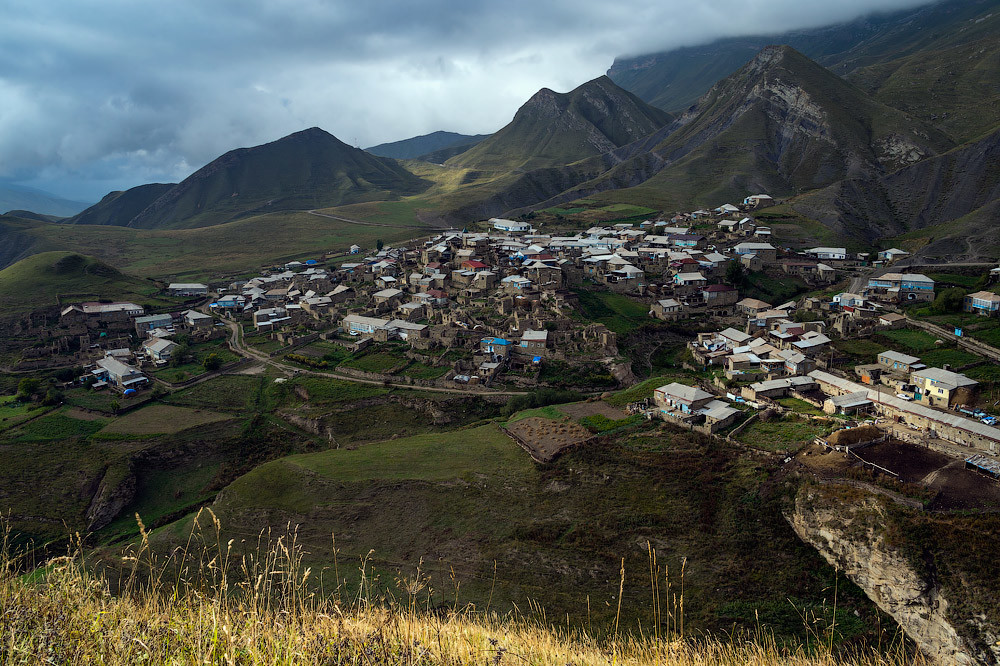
[[705, 349]]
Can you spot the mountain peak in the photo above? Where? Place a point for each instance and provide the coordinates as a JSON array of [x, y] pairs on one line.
[[559, 128]]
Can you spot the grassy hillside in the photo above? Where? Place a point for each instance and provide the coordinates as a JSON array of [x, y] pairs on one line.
[[200, 253], [210, 619], [782, 124], [952, 88], [675, 79], [118, 208], [481, 521], [37, 281], [931, 193]]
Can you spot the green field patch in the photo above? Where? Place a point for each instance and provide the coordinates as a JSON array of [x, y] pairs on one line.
[[955, 280], [262, 343], [160, 419], [785, 434], [178, 373], [618, 312], [432, 457], [912, 340], [771, 289], [547, 412], [423, 371], [564, 211], [13, 411], [956, 358], [800, 406], [225, 392], [990, 336], [53, 427], [599, 423], [377, 362], [861, 351], [320, 390]]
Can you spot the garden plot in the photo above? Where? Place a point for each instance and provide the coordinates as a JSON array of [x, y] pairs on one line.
[[161, 419], [545, 438]]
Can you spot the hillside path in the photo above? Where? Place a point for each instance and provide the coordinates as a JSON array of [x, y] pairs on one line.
[[374, 224]]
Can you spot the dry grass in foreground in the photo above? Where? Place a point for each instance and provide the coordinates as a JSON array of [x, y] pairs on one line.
[[248, 611]]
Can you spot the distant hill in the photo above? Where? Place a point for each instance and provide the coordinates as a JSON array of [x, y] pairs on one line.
[[31, 215], [553, 129], [118, 208], [418, 146], [307, 169], [675, 79], [927, 194], [782, 124], [20, 199], [34, 282]]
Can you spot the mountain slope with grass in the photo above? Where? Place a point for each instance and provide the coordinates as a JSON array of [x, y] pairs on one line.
[[36, 281], [930, 193], [119, 208], [553, 129], [677, 78], [307, 169], [782, 124], [486, 525]]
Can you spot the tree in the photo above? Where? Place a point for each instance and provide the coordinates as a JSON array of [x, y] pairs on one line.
[[212, 362], [734, 273], [379, 244], [27, 387], [179, 355], [52, 397], [948, 300]]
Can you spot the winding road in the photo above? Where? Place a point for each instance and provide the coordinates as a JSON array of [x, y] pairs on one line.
[[236, 343]]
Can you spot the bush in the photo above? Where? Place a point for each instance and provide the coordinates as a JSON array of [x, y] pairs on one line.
[[541, 398], [27, 387], [307, 361], [52, 397], [212, 362], [948, 300]]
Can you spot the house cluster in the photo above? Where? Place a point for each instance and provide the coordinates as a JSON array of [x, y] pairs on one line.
[[907, 378], [693, 407], [456, 291], [939, 387], [107, 335], [773, 345]]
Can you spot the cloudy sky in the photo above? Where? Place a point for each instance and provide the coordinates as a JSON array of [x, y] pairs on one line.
[[104, 95]]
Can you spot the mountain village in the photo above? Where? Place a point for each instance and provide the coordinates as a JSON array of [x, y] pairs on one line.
[[498, 309]]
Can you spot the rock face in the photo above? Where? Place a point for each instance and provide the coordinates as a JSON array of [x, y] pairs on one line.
[[849, 536], [116, 491]]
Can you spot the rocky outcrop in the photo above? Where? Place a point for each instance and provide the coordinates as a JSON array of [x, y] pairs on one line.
[[115, 492], [849, 534]]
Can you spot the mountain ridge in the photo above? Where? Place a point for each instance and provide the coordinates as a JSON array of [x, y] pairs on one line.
[[306, 169], [418, 147], [552, 129], [674, 79]]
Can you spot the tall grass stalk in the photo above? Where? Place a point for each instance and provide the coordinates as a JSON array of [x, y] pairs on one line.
[[211, 603]]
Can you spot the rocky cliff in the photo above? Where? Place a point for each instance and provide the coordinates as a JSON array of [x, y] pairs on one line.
[[848, 528]]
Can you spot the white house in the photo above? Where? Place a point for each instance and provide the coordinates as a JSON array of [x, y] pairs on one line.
[[828, 252], [510, 226], [187, 289]]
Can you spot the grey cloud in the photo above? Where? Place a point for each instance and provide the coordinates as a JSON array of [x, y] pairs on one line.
[[118, 91]]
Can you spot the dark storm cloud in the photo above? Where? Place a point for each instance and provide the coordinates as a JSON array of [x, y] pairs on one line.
[[102, 95]]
